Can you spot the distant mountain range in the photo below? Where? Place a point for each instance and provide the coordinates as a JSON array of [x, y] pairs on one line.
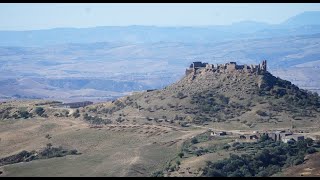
[[305, 23], [58, 71], [305, 18], [101, 62]]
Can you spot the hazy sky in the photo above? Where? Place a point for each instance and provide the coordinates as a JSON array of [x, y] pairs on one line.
[[50, 15]]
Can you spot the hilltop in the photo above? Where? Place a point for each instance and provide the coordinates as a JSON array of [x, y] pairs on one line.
[[224, 95], [228, 94], [143, 134]]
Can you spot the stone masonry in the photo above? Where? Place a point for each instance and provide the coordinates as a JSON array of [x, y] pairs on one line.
[[228, 68]]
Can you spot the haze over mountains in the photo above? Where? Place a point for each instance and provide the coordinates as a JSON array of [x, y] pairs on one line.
[[108, 62], [305, 23]]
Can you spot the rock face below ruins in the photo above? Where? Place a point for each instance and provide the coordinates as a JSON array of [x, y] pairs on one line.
[[237, 94]]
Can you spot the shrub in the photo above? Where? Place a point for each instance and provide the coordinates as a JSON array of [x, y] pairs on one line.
[[214, 173], [157, 174], [73, 152], [66, 113], [76, 114], [4, 114], [97, 120], [92, 109], [311, 150], [180, 95], [39, 111], [181, 154], [24, 114], [172, 168], [298, 161], [178, 162], [261, 113], [49, 145], [194, 140], [264, 137], [309, 141], [227, 146], [86, 116]]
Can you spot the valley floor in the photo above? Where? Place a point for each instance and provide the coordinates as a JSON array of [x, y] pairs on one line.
[[114, 150]]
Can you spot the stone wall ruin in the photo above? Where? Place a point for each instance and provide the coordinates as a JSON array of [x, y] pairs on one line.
[[227, 68]]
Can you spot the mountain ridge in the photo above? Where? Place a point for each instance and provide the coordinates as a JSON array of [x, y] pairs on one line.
[[137, 33]]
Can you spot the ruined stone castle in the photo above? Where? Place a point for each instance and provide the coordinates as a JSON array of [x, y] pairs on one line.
[[228, 68]]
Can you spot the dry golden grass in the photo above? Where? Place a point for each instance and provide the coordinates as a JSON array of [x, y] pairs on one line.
[[114, 150]]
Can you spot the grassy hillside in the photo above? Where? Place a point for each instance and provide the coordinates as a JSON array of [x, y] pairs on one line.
[[246, 100]]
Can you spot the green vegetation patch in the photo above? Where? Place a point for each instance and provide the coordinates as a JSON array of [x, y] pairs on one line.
[[96, 120], [263, 158], [48, 152]]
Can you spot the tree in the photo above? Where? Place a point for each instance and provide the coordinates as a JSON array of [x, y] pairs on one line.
[[24, 114], [227, 146], [215, 173], [264, 137], [157, 174], [309, 141], [194, 140], [73, 152], [86, 116], [178, 162], [181, 154], [298, 161], [76, 114], [311, 150], [302, 145], [39, 110], [49, 145]]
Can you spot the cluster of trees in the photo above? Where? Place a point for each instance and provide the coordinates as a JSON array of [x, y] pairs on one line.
[[268, 158], [64, 113], [25, 114], [22, 114], [189, 147], [291, 94], [118, 105], [215, 105], [96, 120], [48, 152]]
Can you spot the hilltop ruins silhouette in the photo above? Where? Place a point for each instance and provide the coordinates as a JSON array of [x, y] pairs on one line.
[[228, 68]]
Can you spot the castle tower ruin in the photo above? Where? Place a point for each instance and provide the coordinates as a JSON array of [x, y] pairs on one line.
[[264, 66]]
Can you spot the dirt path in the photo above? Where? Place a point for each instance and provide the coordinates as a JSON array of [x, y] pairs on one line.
[[130, 163]]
